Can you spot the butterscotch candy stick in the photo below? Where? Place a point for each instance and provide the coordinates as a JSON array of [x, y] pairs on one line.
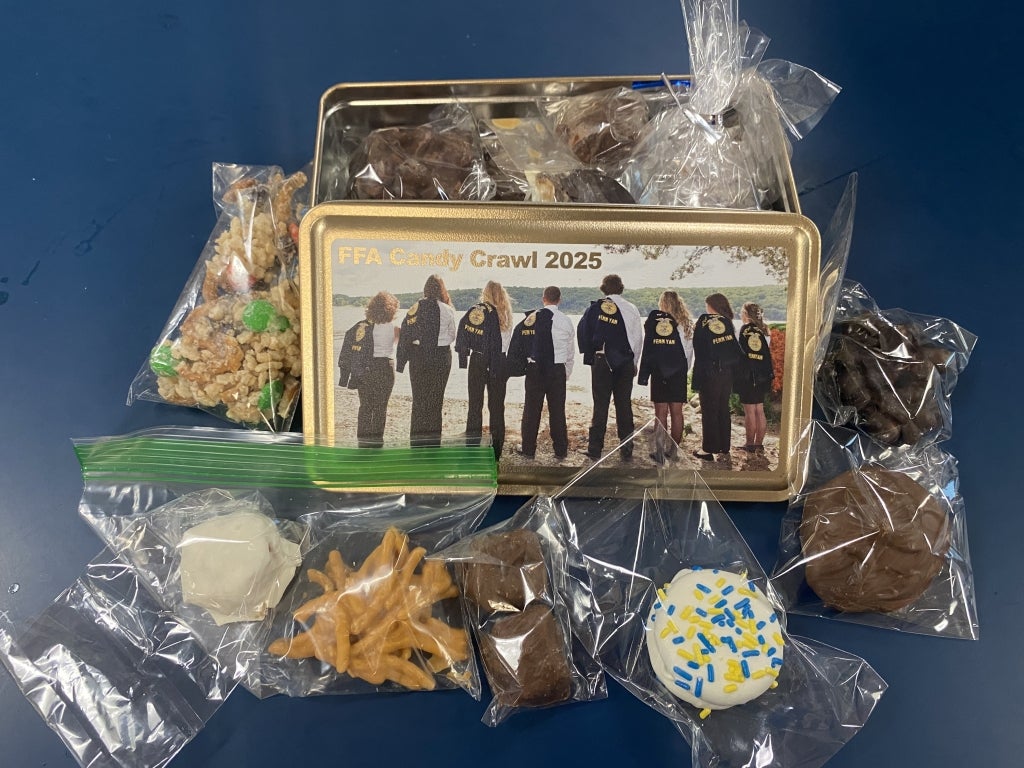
[[341, 640], [307, 610], [298, 647], [337, 570], [321, 579]]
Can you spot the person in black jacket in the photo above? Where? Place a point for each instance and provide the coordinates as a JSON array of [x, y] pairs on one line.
[[754, 377], [542, 350], [716, 355], [425, 343], [366, 364], [610, 335], [482, 342], [665, 364]]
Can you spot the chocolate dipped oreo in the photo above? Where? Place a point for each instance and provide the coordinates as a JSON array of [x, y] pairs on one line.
[[524, 656], [507, 571], [873, 540]]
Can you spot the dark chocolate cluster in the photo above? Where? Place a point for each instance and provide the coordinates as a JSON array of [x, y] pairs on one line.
[[601, 128], [890, 374]]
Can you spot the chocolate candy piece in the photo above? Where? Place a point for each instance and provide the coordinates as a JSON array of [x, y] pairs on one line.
[[601, 128], [874, 540], [507, 572], [413, 163], [582, 185], [889, 374], [526, 659]]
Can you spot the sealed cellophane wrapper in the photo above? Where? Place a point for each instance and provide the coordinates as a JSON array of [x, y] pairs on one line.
[[692, 626], [527, 593], [438, 160], [891, 373], [231, 345], [878, 536], [114, 673]]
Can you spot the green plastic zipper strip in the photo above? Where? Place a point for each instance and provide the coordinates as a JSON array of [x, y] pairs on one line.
[[242, 464]]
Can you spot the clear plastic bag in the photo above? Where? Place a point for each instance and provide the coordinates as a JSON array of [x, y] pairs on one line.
[[231, 346], [637, 546], [531, 610], [600, 128], [439, 160], [891, 372], [114, 674], [144, 492], [878, 536]]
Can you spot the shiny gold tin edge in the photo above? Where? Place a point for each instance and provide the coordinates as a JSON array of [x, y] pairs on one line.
[[325, 111], [794, 231]]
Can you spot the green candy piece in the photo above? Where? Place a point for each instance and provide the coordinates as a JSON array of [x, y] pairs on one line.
[[280, 323], [258, 314], [270, 395], [161, 362]]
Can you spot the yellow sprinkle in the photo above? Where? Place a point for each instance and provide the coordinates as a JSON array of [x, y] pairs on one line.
[[721, 582], [748, 642], [691, 632], [759, 674], [774, 685], [704, 713], [773, 672], [778, 639], [698, 594], [707, 625], [665, 633], [682, 652], [685, 613], [730, 687], [671, 625], [746, 592], [662, 596]]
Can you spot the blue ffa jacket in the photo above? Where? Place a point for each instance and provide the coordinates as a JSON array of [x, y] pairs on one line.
[[602, 328], [663, 353], [356, 354]]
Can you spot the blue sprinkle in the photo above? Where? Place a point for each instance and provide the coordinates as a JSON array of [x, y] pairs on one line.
[[715, 570], [697, 568], [760, 640], [678, 640], [671, 610], [748, 654], [728, 589], [704, 589], [772, 618], [776, 662], [750, 586], [728, 641], [682, 673], [700, 684], [721, 603], [719, 619], [693, 665], [745, 667], [711, 674], [683, 685], [707, 644], [760, 625], [657, 606], [771, 651], [739, 631], [701, 612]]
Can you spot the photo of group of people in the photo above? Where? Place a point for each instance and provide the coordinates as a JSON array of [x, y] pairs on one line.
[[552, 374]]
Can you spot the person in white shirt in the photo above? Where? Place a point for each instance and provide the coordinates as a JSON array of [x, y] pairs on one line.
[[610, 335], [548, 366], [425, 343], [379, 379]]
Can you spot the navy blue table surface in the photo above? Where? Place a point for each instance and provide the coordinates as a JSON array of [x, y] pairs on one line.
[[112, 115]]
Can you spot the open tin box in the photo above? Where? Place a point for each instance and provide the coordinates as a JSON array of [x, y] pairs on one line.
[[349, 250]]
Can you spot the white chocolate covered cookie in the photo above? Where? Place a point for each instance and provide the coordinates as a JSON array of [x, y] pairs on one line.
[[714, 639]]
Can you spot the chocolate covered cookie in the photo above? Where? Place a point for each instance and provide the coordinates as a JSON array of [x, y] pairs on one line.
[[414, 163], [873, 539], [526, 659], [506, 572]]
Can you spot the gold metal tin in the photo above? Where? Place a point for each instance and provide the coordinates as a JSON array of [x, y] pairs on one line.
[[363, 107], [453, 224]]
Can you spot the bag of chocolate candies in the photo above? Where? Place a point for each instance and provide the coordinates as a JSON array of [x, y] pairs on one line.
[[280, 562], [877, 536], [528, 597], [693, 628], [441, 159], [722, 145], [119, 678], [891, 372], [231, 346]]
